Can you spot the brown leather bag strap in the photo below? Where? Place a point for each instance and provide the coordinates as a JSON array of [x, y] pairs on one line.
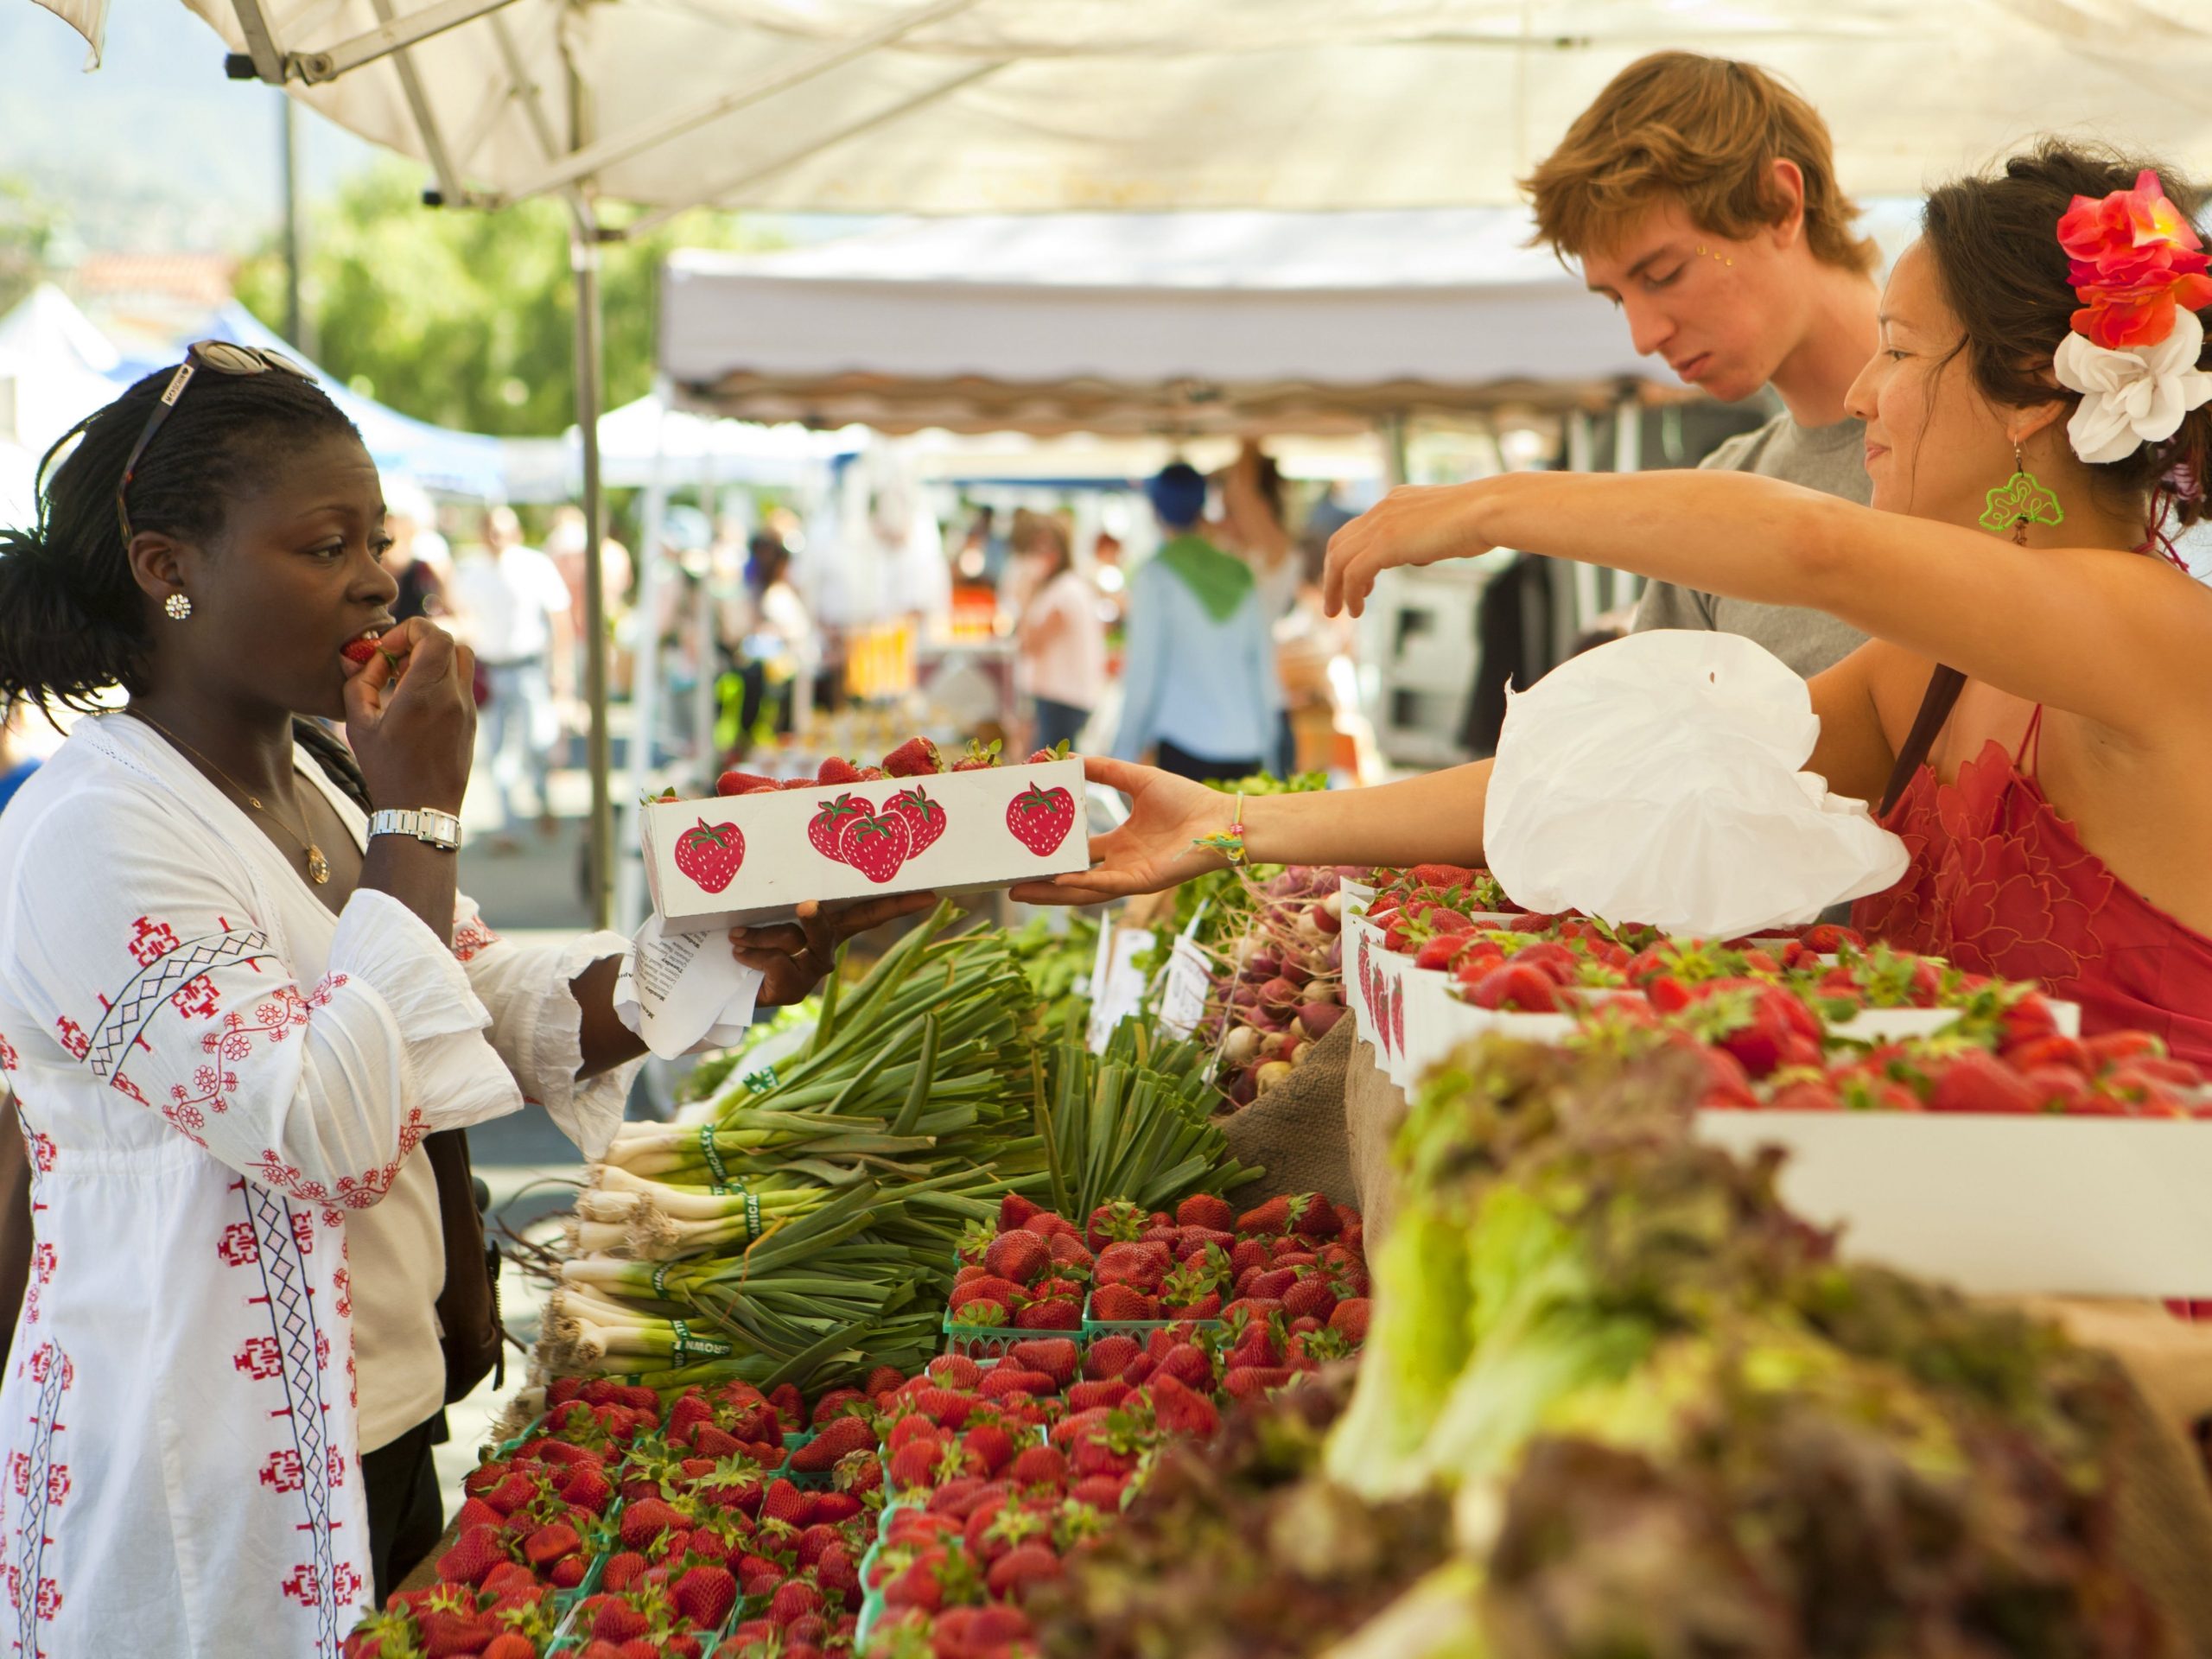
[[1943, 688]]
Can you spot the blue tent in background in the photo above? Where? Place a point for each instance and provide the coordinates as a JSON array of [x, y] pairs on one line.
[[453, 463]]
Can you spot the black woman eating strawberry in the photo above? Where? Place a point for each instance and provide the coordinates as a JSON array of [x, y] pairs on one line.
[[2034, 708], [239, 989]]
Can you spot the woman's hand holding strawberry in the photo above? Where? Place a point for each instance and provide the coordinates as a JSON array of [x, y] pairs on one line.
[[411, 716]]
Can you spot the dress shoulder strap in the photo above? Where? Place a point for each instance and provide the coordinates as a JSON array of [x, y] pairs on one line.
[[1943, 688], [2024, 757]]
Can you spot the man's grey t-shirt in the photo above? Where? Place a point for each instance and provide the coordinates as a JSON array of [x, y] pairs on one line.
[[1830, 459]]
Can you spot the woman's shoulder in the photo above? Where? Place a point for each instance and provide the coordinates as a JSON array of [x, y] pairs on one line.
[[97, 797]]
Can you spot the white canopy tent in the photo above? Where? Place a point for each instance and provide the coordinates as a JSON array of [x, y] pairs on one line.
[[1116, 324], [956, 106], [55, 368], [949, 107]]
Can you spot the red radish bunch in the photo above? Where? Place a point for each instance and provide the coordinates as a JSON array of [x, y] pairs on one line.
[[1280, 990]]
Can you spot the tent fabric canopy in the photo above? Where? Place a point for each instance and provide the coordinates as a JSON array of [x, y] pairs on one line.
[[1122, 324], [956, 106]]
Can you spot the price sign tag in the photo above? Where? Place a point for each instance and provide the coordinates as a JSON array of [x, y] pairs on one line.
[[1183, 991], [1117, 988]]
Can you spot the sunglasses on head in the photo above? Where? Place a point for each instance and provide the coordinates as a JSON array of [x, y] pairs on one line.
[[218, 356]]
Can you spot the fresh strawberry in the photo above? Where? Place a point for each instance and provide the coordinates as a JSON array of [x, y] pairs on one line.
[[359, 650], [448, 1632], [1206, 1209], [992, 1445], [1046, 757], [1181, 1409], [916, 758], [550, 1543], [1975, 1082], [980, 757], [925, 819], [618, 1622], [1015, 1212], [742, 783], [1247, 1382], [1117, 1303], [510, 1644], [875, 844], [836, 772], [473, 1555], [826, 830], [1516, 986], [645, 1521], [1019, 1257], [786, 1502], [588, 1488], [1038, 1466], [623, 1569], [568, 1573], [1055, 1315], [704, 1595], [1014, 1575], [1041, 818], [797, 1600], [710, 854], [914, 1464], [1055, 1357], [837, 1437]]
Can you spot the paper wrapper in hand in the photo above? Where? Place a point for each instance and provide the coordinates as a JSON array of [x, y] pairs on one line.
[[685, 993], [1657, 780]]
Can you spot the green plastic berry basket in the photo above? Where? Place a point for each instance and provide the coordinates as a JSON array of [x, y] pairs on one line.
[[985, 1343], [1142, 1329]]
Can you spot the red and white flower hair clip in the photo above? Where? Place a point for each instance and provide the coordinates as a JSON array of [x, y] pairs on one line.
[[2141, 273]]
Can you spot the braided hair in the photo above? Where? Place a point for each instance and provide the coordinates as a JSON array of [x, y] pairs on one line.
[[74, 621]]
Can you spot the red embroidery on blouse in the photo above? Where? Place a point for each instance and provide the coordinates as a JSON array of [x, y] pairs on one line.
[[150, 940], [281, 1472], [237, 1246], [7, 1061], [195, 999], [42, 1150], [470, 939], [122, 1085], [355, 1193], [259, 1358], [73, 1038], [341, 1284]]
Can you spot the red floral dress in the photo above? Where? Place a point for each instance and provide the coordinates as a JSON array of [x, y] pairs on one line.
[[2000, 884]]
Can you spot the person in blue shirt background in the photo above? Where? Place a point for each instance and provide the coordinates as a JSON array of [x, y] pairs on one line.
[[16, 764], [1199, 684]]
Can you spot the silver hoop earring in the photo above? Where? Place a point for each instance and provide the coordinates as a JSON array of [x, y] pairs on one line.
[[178, 607]]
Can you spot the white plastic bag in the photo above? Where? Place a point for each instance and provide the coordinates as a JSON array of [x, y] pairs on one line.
[[1657, 779]]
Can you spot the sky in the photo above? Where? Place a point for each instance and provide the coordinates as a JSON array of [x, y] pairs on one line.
[[156, 149]]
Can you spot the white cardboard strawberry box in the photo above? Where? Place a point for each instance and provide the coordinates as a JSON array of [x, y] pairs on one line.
[[737, 859]]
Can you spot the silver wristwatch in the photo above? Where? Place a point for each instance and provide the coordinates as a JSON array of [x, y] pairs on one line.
[[439, 829]]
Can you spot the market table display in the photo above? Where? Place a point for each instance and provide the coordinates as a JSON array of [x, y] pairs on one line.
[[933, 1329]]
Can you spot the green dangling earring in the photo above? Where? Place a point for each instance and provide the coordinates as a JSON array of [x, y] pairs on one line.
[[2019, 501]]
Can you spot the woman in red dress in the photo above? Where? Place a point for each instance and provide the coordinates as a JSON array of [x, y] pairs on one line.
[[2039, 407]]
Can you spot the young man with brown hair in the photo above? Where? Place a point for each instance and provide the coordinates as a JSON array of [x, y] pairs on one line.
[[1700, 196]]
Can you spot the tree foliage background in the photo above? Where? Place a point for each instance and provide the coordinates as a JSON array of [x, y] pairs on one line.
[[28, 224], [467, 318]]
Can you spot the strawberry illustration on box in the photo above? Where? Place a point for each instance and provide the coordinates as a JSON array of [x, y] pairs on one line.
[[921, 821]]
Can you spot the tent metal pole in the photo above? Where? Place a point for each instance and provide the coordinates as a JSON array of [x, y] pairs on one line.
[[595, 158], [645, 672], [583, 252], [451, 191], [261, 42], [1628, 457], [704, 629], [391, 34]]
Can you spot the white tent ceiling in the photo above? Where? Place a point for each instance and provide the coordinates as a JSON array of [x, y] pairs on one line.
[[1132, 323], [1028, 105]]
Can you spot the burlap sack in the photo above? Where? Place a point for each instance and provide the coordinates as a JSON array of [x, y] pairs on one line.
[[1374, 1108], [1294, 1133]]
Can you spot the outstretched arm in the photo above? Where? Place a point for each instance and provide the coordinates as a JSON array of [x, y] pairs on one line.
[[2117, 637], [1438, 818]]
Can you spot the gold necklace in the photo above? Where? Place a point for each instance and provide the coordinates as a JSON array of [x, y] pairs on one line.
[[318, 865]]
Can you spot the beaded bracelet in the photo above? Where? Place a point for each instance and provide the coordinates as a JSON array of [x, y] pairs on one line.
[[1229, 843]]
